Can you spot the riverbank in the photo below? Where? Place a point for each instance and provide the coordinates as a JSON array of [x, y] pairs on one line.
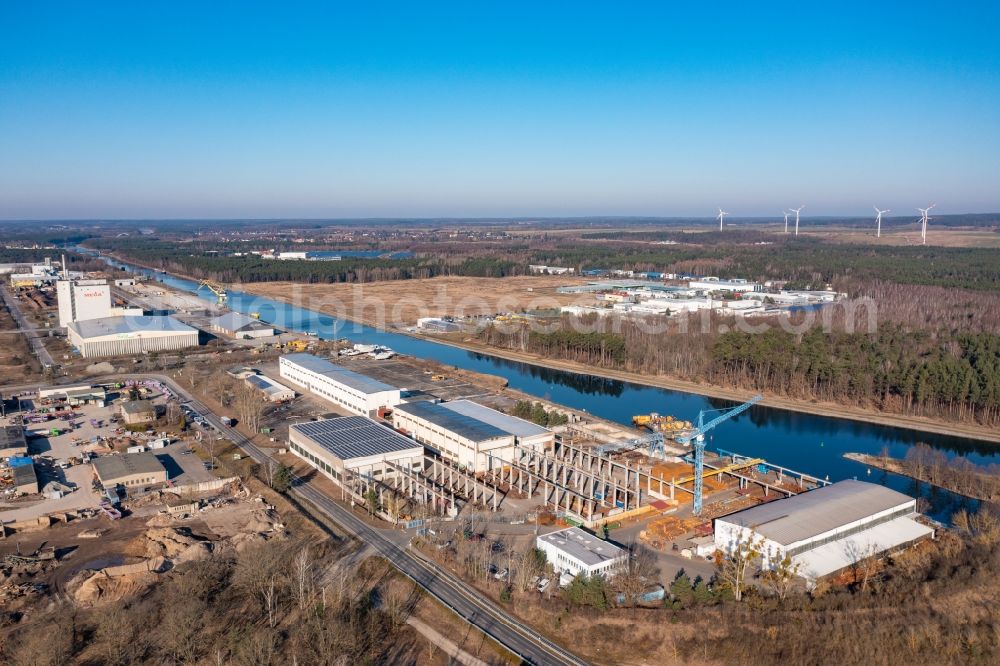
[[901, 467], [834, 410]]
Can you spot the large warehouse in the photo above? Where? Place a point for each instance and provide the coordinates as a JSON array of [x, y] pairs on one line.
[[241, 326], [353, 391], [130, 470], [827, 529], [356, 443], [473, 436], [117, 336]]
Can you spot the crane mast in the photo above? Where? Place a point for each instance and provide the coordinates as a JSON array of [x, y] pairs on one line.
[[698, 437]]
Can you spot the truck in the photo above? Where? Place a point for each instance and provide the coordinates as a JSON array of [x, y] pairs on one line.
[[228, 421]]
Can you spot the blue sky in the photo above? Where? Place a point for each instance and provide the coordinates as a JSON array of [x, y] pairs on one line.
[[177, 109]]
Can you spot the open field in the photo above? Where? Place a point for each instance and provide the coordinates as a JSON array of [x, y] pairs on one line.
[[396, 302]]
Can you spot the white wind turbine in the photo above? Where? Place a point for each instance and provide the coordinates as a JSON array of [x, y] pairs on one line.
[[786, 214], [878, 220], [797, 211], [722, 215], [923, 222]]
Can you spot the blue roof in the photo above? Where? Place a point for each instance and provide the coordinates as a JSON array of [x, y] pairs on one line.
[[18, 461], [462, 425], [338, 373]]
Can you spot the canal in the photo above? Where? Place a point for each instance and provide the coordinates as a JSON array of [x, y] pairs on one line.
[[805, 442]]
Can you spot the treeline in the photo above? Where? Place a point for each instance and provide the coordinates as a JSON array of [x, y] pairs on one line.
[[229, 269], [956, 376], [957, 474], [266, 604]]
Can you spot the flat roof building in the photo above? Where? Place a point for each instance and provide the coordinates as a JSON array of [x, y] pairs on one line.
[[350, 390], [272, 391], [355, 443], [117, 336], [574, 551], [12, 441], [136, 412], [827, 529], [241, 326], [131, 470], [459, 438], [80, 300], [526, 434]]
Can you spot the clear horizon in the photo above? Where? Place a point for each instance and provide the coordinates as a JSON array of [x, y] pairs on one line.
[[124, 111]]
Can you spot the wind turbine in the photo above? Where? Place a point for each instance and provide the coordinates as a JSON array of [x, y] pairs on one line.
[[797, 211], [923, 220], [786, 214], [878, 220], [722, 214]]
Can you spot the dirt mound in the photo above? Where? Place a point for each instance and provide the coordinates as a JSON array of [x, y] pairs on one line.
[[167, 542], [98, 588]]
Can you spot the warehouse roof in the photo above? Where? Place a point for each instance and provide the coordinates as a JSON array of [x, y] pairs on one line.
[[583, 546], [338, 373], [236, 322], [138, 407], [816, 512], [109, 468], [350, 437], [462, 425], [266, 384], [506, 422], [96, 328], [842, 553]]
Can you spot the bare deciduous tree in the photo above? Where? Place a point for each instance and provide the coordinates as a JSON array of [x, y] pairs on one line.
[[734, 565]]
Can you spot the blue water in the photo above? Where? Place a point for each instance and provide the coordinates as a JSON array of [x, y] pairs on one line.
[[808, 443]]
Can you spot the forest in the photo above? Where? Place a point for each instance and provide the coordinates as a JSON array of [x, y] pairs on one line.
[[953, 375]]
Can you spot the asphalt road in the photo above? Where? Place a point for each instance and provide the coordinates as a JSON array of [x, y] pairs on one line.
[[467, 603], [32, 334]]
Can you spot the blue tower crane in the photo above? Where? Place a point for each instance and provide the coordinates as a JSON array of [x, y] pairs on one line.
[[698, 436]]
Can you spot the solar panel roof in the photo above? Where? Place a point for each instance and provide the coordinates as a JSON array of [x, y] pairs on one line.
[[510, 424], [462, 425], [354, 437], [338, 373]]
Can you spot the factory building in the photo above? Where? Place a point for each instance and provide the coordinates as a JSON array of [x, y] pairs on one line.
[[137, 412], [350, 390], [827, 529], [354, 443], [527, 435], [574, 552], [738, 286], [271, 390], [131, 470], [12, 441], [117, 336], [81, 300], [241, 326], [472, 436]]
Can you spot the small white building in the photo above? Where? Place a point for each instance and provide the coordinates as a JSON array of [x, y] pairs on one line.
[[272, 391], [354, 443], [573, 551], [350, 390], [827, 529], [117, 336]]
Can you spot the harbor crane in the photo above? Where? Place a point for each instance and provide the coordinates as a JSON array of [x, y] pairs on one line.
[[220, 292], [698, 437]]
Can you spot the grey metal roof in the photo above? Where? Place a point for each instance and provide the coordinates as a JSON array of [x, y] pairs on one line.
[[583, 546], [24, 474], [509, 424], [12, 437], [462, 425], [95, 328], [266, 384], [816, 512], [138, 407], [237, 321], [339, 373], [350, 437], [109, 468]]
